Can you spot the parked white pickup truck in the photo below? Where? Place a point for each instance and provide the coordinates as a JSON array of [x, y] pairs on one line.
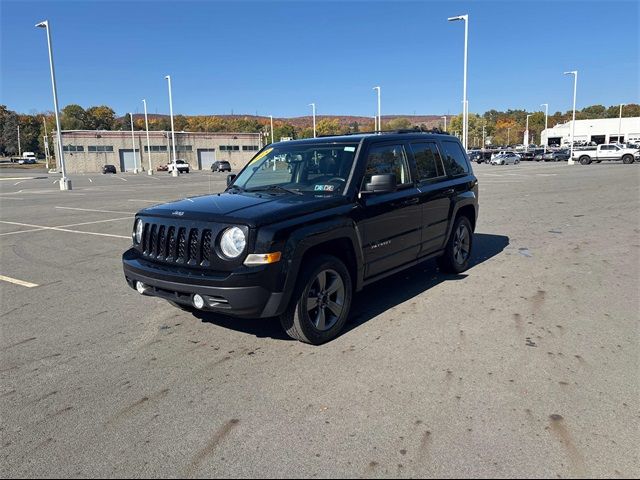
[[606, 152]]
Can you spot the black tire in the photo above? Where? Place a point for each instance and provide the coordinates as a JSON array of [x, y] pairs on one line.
[[628, 159], [585, 160], [185, 308], [454, 260], [297, 320]]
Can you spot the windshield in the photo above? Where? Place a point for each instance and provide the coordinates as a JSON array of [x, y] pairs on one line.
[[320, 169]]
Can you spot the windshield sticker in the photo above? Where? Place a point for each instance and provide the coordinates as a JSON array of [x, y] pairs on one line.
[[261, 155], [324, 188], [349, 149]]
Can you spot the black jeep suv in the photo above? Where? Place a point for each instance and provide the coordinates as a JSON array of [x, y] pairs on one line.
[[306, 224]]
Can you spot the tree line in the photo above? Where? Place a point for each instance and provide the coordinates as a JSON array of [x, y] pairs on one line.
[[501, 127]]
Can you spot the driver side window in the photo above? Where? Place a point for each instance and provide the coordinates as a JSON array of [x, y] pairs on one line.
[[388, 159]]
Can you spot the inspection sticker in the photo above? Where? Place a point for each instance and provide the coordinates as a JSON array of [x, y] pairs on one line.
[[324, 188], [349, 149]]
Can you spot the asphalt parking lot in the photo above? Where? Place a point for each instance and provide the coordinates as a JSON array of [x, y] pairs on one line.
[[527, 365]]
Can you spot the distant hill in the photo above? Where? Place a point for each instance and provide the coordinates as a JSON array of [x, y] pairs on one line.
[[430, 121]]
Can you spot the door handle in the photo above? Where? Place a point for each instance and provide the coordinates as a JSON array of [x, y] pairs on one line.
[[405, 203]]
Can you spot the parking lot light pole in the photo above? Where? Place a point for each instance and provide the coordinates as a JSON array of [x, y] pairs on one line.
[[484, 128], [133, 144], [313, 108], [573, 123], [174, 171], [546, 119], [526, 135], [379, 110], [465, 113], [620, 123], [146, 125], [46, 142], [445, 122], [271, 118], [65, 183], [19, 147]]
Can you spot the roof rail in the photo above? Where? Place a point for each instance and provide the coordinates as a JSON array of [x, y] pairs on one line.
[[402, 130]]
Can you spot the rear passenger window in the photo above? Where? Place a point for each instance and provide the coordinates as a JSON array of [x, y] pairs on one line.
[[454, 160], [388, 159], [428, 160]]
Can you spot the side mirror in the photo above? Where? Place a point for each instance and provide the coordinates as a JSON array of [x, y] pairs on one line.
[[384, 183], [230, 178]]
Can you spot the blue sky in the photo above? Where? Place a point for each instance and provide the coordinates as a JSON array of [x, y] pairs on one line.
[[277, 57]]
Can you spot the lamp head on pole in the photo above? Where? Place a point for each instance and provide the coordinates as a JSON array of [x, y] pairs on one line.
[[458, 17], [572, 72], [43, 24]]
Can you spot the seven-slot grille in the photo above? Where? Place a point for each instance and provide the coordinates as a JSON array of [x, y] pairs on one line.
[[188, 246]]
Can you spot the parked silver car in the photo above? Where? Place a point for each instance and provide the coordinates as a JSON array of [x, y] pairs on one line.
[[508, 158]]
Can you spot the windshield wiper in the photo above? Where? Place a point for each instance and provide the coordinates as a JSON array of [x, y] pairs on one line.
[[280, 188], [235, 187]]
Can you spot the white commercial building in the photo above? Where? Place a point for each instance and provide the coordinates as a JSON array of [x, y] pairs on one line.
[[599, 130]]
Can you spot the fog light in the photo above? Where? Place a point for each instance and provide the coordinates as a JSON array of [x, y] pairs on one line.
[[198, 301], [141, 287]]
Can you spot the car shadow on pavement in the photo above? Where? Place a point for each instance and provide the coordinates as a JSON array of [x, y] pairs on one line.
[[378, 297]]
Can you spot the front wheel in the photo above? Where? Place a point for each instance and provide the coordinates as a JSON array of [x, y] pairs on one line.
[[585, 160], [320, 305], [457, 252], [627, 159]]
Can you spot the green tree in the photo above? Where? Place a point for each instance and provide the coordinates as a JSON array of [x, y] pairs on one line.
[[74, 117], [9, 133], [400, 123]]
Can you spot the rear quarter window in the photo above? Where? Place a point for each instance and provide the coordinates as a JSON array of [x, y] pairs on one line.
[[454, 159]]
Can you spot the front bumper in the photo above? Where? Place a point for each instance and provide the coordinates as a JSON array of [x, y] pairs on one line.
[[237, 294]]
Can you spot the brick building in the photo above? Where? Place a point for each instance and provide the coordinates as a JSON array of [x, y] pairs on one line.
[[86, 151]]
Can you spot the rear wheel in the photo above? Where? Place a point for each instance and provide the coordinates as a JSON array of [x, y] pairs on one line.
[[627, 159], [457, 252], [585, 160], [320, 304]]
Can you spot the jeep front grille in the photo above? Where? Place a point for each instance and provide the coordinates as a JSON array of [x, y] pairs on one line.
[[167, 243]]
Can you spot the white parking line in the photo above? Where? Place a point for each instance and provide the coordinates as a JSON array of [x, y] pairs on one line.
[[120, 178], [18, 183], [18, 282], [62, 229], [93, 210]]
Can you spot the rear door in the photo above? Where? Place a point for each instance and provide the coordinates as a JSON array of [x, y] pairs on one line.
[[390, 222], [434, 194]]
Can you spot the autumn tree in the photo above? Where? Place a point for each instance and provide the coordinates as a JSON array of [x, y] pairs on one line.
[[100, 118]]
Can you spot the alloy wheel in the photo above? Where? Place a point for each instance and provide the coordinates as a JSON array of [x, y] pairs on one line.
[[325, 299], [461, 245]]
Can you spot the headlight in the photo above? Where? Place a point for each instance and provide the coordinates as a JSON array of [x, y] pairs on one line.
[[137, 231], [233, 242]]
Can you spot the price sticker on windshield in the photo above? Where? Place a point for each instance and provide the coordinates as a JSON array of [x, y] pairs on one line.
[[324, 188]]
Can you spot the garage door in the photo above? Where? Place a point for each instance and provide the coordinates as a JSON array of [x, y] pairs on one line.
[[206, 156], [127, 160]]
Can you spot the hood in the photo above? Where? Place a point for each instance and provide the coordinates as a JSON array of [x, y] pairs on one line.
[[250, 208]]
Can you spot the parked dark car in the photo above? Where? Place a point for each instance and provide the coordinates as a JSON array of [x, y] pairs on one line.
[[556, 156], [108, 169], [281, 241], [221, 166]]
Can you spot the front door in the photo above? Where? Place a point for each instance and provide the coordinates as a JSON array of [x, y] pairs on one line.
[[389, 222]]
